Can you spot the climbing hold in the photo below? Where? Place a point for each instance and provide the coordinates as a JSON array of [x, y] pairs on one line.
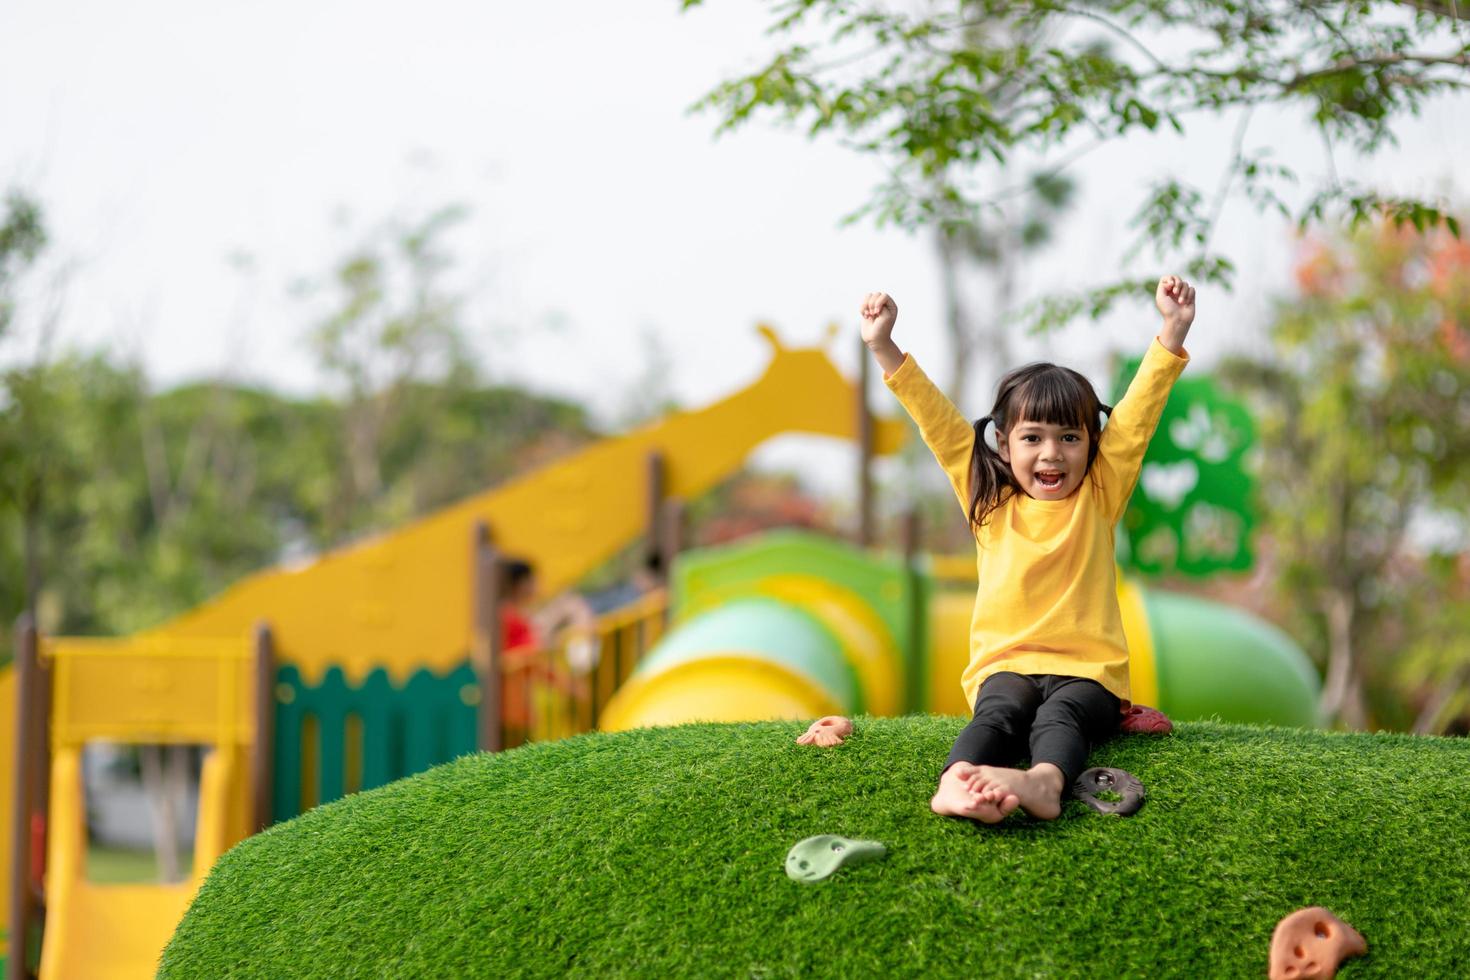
[[1140, 719], [817, 857], [1115, 782], [827, 732], [1310, 944]]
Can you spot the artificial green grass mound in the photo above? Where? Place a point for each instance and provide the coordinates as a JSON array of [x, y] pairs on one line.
[[660, 853]]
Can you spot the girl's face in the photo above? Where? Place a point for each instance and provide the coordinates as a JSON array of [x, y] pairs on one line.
[[1048, 461]]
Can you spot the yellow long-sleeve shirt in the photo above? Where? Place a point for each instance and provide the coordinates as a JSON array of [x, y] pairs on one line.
[[1048, 596]]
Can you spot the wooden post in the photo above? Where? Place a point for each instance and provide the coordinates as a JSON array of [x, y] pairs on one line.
[[865, 452], [654, 509], [918, 602], [262, 762], [32, 716], [486, 639], [913, 526], [671, 540], [673, 532]]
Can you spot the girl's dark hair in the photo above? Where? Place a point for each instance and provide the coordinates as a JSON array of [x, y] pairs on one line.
[[1041, 392]]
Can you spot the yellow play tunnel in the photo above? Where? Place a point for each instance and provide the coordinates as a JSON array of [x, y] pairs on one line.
[[949, 633]]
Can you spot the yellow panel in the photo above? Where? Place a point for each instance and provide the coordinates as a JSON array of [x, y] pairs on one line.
[[150, 692], [402, 601], [1143, 673], [949, 650], [729, 687], [954, 569]]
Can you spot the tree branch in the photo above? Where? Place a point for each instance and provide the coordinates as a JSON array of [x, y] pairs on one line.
[[1227, 178], [1450, 9], [1118, 30]]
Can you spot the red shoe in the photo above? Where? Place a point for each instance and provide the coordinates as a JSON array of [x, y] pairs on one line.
[[1140, 719]]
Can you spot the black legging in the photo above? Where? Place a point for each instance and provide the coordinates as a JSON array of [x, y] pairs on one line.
[[1060, 718]]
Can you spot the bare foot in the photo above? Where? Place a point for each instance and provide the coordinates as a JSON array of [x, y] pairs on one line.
[[956, 798], [983, 789], [1038, 789]]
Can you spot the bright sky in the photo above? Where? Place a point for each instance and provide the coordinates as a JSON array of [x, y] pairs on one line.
[[164, 137]]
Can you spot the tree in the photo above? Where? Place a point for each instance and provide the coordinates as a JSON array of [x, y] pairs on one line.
[[393, 346], [931, 98], [1432, 671], [28, 455], [1364, 408], [996, 246]]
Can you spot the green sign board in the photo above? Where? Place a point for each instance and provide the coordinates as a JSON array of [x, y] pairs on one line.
[[1191, 512]]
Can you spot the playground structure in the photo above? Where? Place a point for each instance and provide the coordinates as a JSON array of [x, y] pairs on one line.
[[383, 658], [795, 626]]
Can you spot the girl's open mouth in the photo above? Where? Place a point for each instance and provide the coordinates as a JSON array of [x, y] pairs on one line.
[[1049, 480]]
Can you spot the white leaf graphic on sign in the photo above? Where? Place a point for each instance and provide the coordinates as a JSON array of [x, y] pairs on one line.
[[1168, 483], [1203, 433]]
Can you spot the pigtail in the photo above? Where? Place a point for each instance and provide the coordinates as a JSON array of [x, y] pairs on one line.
[[989, 475], [1106, 411]]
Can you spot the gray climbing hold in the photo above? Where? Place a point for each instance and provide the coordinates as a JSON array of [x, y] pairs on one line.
[[817, 857], [1117, 782]]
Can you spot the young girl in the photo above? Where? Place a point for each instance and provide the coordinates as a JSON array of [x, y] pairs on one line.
[[1048, 670]]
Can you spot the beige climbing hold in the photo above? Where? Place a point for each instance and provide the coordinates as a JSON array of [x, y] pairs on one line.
[[1311, 943], [827, 732]]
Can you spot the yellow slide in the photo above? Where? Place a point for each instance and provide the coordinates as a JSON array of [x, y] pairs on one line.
[[151, 693], [403, 600]]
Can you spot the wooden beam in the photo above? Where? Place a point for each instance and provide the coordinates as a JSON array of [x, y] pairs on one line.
[[658, 482], [262, 760], [487, 643], [865, 451], [31, 723]]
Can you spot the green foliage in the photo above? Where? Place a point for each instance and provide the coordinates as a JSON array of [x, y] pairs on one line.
[[120, 506], [1363, 401], [153, 503], [941, 92], [660, 852], [392, 344], [22, 238], [1432, 672]]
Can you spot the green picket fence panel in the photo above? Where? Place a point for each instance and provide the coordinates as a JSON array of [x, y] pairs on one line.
[[334, 738]]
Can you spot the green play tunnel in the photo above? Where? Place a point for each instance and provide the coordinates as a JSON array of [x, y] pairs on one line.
[[1217, 662], [751, 657]]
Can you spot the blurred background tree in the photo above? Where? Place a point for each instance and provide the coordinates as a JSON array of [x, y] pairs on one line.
[[121, 506], [943, 92], [1363, 401], [29, 449]]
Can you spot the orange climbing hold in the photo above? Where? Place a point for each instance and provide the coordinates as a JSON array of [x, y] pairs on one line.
[[827, 732], [1310, 944]]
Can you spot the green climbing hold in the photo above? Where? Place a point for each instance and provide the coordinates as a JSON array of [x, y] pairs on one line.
[[817, 857]]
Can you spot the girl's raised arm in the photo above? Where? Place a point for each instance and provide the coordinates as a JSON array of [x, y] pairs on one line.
[[949, 437], [1131, 425]]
